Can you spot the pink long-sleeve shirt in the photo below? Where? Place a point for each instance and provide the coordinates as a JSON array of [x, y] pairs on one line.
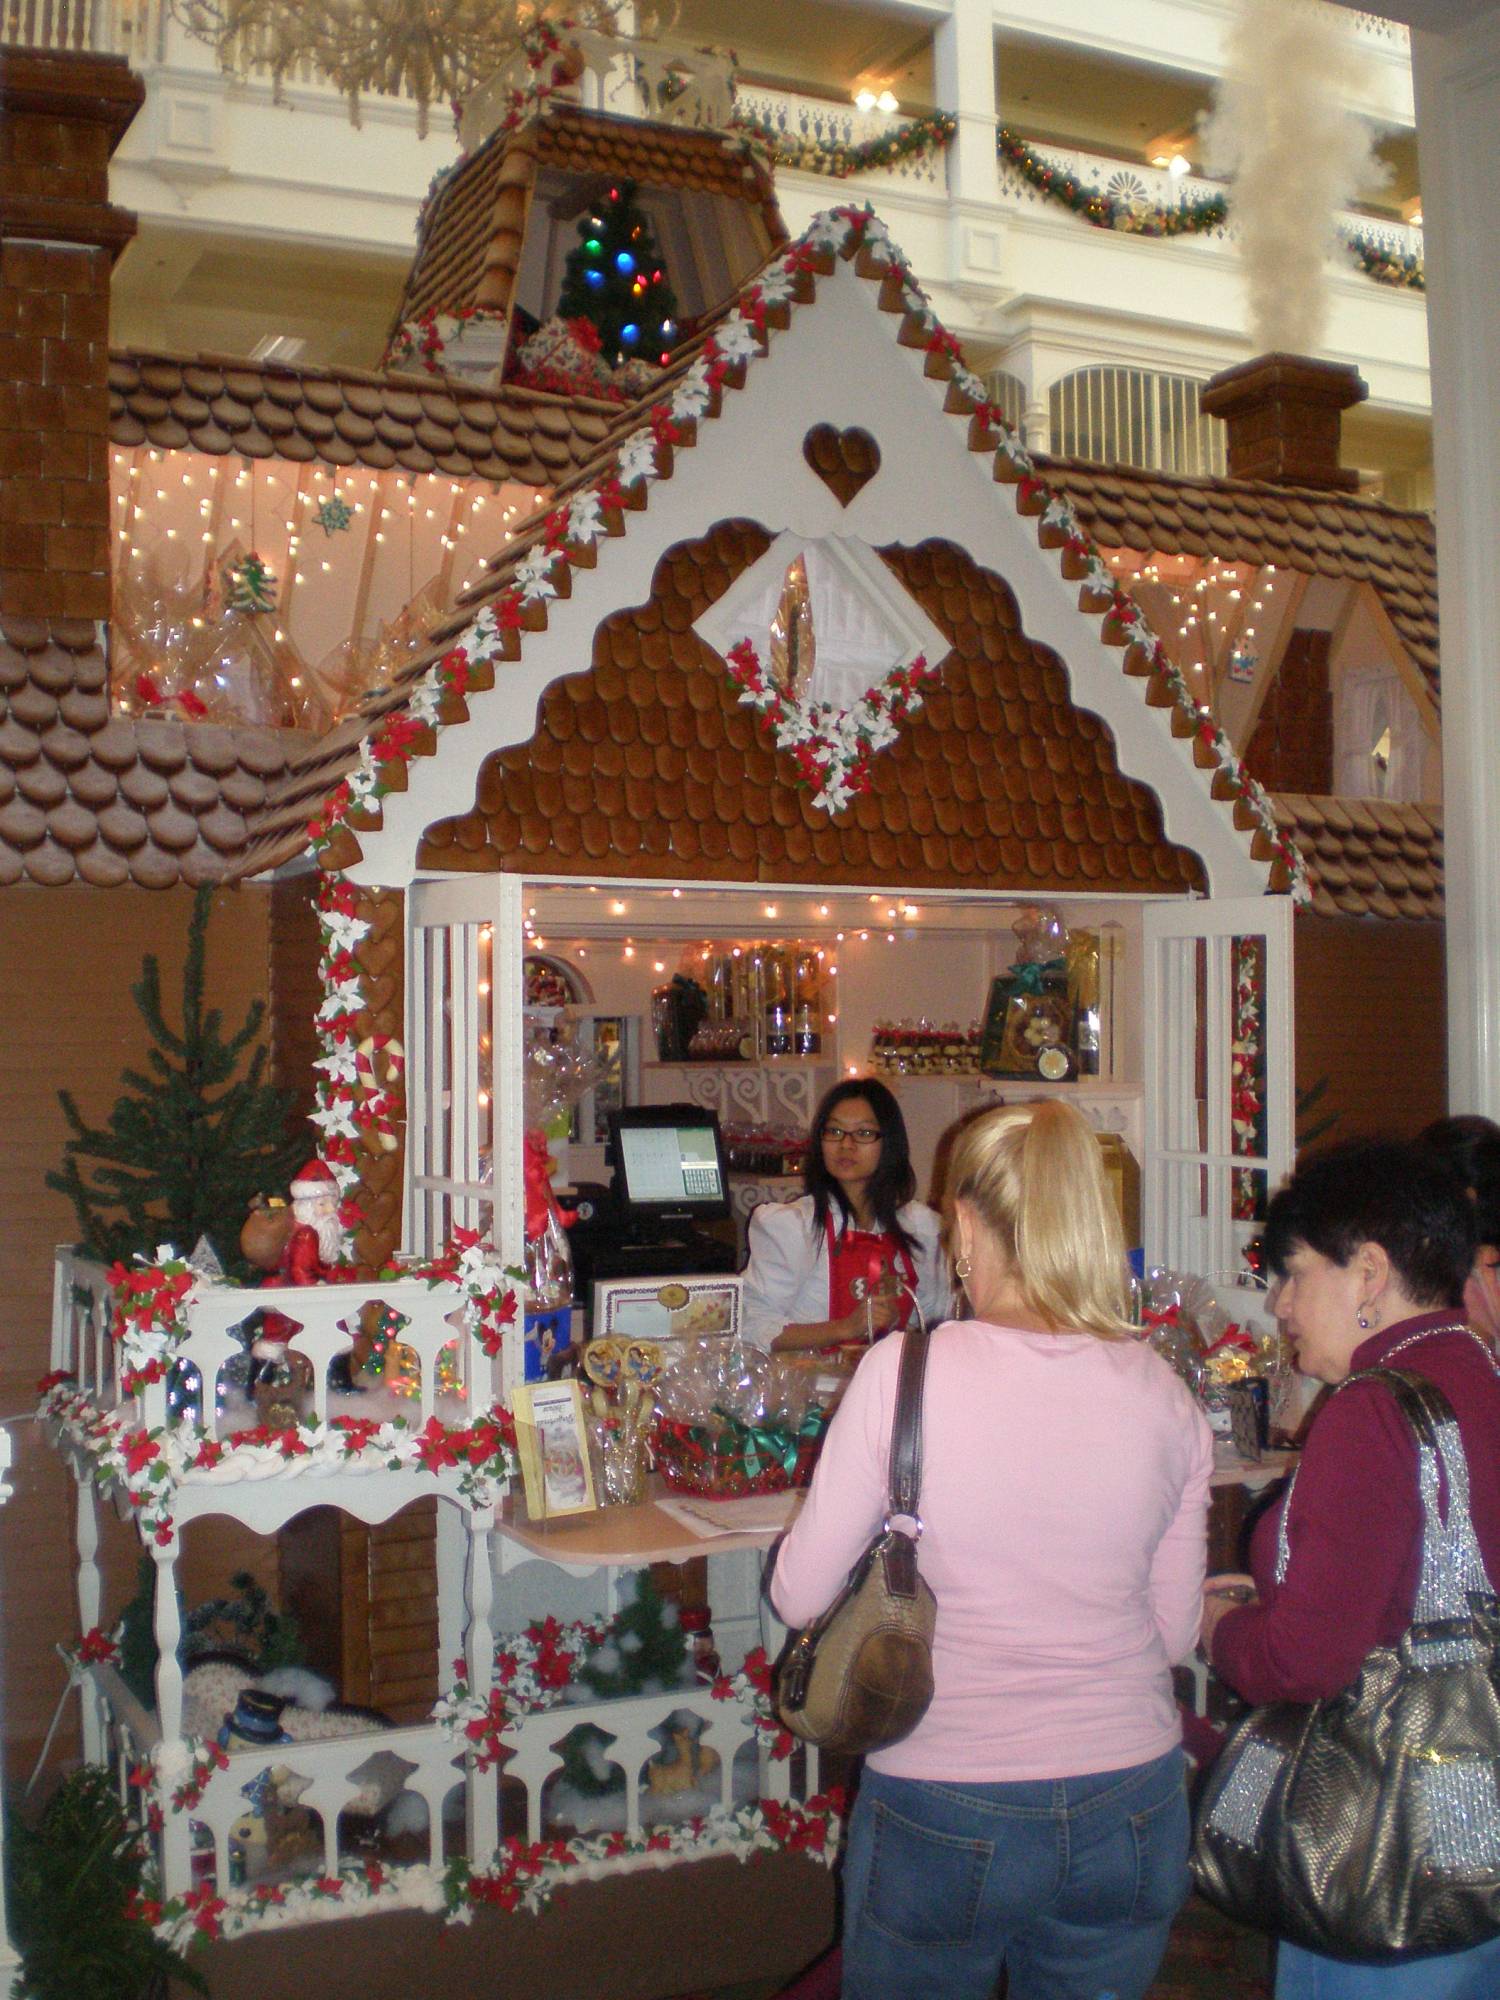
[[1064, 1501]]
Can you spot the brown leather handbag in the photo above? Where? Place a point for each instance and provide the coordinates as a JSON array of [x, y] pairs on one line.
[[860, 1676], [1368, 1824]]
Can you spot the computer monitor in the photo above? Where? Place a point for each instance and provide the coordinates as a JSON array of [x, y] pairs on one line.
[[668, 1163]]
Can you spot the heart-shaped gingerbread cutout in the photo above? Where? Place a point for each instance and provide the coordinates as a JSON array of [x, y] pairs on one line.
[[844, 460]]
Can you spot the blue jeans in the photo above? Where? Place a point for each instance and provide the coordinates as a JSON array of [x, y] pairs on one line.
[[1451, 1975], [1071, 1883]]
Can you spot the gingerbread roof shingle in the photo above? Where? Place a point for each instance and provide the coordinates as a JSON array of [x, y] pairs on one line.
[[472, 232], [1319, 533], [344, 417], [88, 795], [1368, 857], [648, 763]]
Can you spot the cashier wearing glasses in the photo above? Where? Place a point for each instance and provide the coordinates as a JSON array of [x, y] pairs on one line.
[[846, 1261]]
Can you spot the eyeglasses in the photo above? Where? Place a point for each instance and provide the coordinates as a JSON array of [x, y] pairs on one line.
[[862, 1135]]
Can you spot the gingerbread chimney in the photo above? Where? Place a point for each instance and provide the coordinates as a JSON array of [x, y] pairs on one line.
[[1282, 412], [61, 117]]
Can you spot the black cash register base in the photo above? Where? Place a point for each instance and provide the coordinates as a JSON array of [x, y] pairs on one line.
[[669, 1180]]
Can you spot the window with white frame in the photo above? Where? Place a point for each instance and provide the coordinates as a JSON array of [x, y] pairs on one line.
[[1378, 739], [1131, 416]]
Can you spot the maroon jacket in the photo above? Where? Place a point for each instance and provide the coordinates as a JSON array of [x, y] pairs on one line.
[[1355, 1526]]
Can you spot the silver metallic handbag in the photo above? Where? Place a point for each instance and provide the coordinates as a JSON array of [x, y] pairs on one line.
[[860, 1676], [1367, 1824]]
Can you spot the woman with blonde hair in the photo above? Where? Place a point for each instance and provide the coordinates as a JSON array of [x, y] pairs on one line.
[[1036, 1817]]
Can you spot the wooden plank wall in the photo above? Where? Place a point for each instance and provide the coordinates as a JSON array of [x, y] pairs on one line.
[[1370, 1017], [68, 958]]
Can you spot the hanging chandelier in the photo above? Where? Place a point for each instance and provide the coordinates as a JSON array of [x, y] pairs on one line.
[[431, 51]]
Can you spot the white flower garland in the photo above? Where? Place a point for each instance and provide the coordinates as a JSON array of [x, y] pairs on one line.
[[518, 1877], [150, 1466]]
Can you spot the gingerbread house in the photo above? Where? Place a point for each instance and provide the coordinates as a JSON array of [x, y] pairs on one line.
[[594, 743]]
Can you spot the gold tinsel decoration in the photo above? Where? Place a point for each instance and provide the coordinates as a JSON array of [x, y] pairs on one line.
[[433, 51]]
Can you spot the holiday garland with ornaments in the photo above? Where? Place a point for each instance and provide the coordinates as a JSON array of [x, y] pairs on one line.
[[572, 532], [802, 152], [1193, 216], [915, 138]]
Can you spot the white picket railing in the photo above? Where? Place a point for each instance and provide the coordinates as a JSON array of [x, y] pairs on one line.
[[326, 1319]]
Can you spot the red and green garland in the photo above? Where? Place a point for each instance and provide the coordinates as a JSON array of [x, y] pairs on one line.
[[1194, 216], [801, 153], [831, 747]]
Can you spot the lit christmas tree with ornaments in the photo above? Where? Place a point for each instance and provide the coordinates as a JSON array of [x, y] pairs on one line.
[[616, 280]]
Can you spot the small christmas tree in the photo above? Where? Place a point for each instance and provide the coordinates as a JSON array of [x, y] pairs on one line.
[[186, 1147], [616, 280], [645, 1651]]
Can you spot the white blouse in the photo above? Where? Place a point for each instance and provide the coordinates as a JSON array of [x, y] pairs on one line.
[[786, 1279]]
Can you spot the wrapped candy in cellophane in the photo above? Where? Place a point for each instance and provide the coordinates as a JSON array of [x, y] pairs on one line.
[[557, 1071], [1223, 1358], [731, 1421]]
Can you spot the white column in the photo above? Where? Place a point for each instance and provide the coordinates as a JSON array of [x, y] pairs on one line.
[[10, 1958], [963, 50], [1457, 82], [964, 63]]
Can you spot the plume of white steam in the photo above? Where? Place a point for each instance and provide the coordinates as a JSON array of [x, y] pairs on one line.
[[1281, 130]]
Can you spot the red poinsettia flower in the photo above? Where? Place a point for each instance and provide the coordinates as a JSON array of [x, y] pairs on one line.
[[435, 1446], [138, 1449]]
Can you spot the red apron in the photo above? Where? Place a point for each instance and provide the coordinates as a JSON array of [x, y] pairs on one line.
[[860, 1262]]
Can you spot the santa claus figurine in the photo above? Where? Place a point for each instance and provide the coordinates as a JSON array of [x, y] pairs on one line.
[[305, 1250], [316, 1242]]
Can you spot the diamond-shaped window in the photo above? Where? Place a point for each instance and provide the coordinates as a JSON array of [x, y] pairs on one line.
[[827, 617]]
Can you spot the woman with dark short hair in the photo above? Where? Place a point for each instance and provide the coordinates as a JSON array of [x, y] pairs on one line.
[[1371, 1246], [856, 1254]]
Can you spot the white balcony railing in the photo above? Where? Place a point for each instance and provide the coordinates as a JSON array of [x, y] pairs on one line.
[[135, 29], [820, 121], [1149, 188]]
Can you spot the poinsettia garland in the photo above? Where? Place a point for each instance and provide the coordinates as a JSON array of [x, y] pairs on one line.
[[533, 1671], [422, 342], [524, 1876], [149, 1466], [1247, 1074], [521, 1875], [751, 1688], [150, 1314], [569, 534], [488, 1310], [832, 747], [193, 1763]]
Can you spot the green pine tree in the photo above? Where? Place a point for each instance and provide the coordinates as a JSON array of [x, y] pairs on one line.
[[616, 280], [187, 1146], [74, 1875], [646, 1647]]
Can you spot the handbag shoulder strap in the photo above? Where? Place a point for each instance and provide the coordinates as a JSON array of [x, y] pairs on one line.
[[905, 1479], [1452, 1563]]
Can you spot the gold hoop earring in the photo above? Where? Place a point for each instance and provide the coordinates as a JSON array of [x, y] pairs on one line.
[[963, 1269]]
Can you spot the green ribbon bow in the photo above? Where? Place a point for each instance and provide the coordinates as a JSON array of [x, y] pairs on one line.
[[777, 1443], [1032, 976]]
